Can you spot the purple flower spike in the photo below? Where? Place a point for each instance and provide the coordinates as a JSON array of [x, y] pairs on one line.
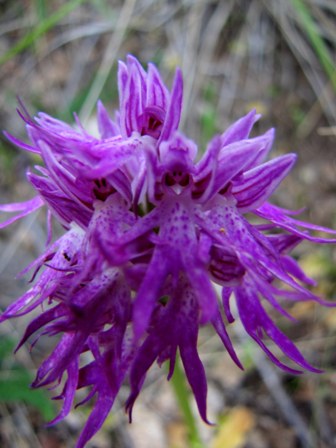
[[150, 236]]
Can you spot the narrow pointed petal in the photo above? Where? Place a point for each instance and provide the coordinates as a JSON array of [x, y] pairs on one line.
[[206, 295], [122, 77], [250, 247], [140, 75], [254, 319], [145, 357], [113, 156], [133, 62], [266, 290], [96, 419], [194, 369], [284, 243], [229, 163], [219, 326], [40, 321], [107, 128], [69, 392], [265, 145], [293, 267], [173, 113], [66, 210], [148, 294], [122, 85], [131, 103], [226, 295], [23, 305], [235, 158], [132, 106], [256, 185], [280, 218], [25, 208], [21, 144], [157, 93], [53, 367], [241, 129]]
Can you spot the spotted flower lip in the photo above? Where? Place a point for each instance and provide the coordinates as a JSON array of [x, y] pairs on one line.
[[150, 227]]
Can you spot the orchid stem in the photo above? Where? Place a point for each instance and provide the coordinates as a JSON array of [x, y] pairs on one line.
[[183, 399]]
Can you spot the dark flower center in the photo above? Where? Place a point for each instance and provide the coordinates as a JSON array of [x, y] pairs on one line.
[[102, 189], [177, 180], [152, 121], [177, 177]]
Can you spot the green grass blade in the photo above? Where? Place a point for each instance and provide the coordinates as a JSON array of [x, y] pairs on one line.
[[316, 40], [41, 9], [40, 29]]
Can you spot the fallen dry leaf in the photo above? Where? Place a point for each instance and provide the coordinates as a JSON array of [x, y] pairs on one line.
[[234, 428]]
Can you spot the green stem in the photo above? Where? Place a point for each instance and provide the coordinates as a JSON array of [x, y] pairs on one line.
[[182, 395]]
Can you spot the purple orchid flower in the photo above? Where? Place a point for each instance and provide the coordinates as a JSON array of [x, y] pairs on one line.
[[150, 229]]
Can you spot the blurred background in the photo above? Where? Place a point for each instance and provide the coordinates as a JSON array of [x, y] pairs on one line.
[[277, 56]]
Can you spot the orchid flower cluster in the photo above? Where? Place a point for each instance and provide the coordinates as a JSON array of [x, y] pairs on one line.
[[151, 233]]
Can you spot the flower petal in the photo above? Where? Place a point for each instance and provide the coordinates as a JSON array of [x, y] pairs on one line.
[[25, 208], [194, 368], [107, 128], [219, 326], [157, 93], [255, 320], [240, 129], [173, 113], [97, 417], [280, 218], [69, 392], [257, 184]]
